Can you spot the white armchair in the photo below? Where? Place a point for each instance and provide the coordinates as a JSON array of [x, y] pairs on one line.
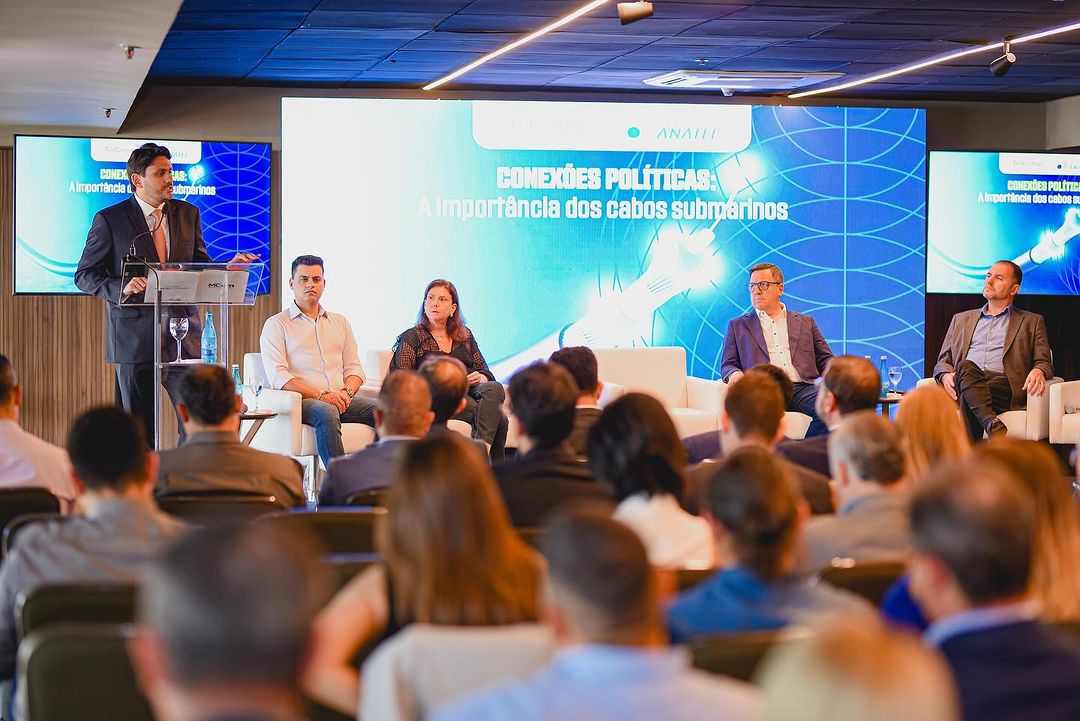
[[285, 433], [1064, 399], [1031, 423]]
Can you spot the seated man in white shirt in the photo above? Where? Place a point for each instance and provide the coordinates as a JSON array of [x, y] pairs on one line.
[[26, 460], [313, 352]]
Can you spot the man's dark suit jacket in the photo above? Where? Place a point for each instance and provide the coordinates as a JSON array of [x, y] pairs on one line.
[[368, 469], [217, 461], [812, 453], [1018, 672], [129, 330], [536, 483], [584, 420], [1026, 347], [702, 446], [744, 345], [814, 486]]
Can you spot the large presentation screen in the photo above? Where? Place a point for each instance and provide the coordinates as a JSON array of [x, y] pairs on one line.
[[610, 224], [62, 182], [986, 207]]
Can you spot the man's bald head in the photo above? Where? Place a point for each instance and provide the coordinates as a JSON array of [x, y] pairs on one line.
[[448, 383]]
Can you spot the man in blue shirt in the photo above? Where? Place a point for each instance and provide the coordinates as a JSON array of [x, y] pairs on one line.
[[994, 356], [614, 663], [973, 528]]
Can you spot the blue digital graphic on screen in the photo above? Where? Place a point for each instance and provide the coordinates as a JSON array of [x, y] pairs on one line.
[[613, 224], [990, 206], [62, 182]]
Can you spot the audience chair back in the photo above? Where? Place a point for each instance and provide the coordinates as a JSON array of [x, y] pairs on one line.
[[17, 524], [869, 579], [530, 534], [344, 567], [687, 578], [214, 509], [343, 530], [79, 671], [374, 497], [738, 655], [32, 499], [55, 603]]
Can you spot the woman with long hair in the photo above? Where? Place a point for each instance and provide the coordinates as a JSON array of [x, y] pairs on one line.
[[440, 330], [933, 430], [449, 556], [635, 449]]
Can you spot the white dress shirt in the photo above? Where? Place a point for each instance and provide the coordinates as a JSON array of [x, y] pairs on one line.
[[26, 460], [672, 537], [151, 222], [776, 340], [320, 352]]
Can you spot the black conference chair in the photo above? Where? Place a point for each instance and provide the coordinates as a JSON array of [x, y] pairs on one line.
[[530, 534], [738, 655], [373, 497], [215, 509], [344, 567], [687, 578], [869, 579], [341, 530], [56, 603], [19, 501], [16, 525], [79, 671]]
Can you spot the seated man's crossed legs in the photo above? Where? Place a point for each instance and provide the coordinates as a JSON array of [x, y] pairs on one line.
[[982, 395]]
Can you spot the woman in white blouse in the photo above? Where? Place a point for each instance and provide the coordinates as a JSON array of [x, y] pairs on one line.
[[635, 449]]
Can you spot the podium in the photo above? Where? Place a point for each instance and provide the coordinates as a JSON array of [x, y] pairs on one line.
[[180, 295]]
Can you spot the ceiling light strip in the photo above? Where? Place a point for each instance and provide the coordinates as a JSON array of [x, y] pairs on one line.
[[588, 7], [937, 60]]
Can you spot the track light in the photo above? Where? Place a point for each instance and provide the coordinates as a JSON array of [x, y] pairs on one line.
[[1001, 65], [634, 11]]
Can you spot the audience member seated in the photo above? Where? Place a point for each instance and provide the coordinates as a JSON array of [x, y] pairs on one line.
[[931, 429], [753, 415], [546, 472], [636, 451], [450, 557], [212, 458], [613, 663], [974, 527], [403, 416], [868, 471], [26, 460], [707, 445], [850, 384], [858, 671], [756, 513], [580, 361], [121, 531], [224, 626], [448, 382]]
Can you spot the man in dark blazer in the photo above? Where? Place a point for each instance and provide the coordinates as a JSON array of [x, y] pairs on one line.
[[546, 473], [155, 228], [770, 333], [973, 526], [402, 416], [212, 458], [580, 362], [993, 356]]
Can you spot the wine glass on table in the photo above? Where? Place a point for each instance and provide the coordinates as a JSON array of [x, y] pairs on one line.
[[254, 384], [178, 327], [896, 373]]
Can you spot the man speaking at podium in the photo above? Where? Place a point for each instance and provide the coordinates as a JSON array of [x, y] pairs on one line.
[[153, 227]]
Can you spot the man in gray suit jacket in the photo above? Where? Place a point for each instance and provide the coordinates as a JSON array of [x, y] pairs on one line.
[[871, 522], [212, 457], [994, 356], [770, 333]]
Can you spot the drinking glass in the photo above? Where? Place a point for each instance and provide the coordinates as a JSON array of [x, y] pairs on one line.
[[255, 385], [179, 328], [896, 373]]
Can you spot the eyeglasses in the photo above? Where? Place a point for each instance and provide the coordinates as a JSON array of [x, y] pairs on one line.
[[761, 285]]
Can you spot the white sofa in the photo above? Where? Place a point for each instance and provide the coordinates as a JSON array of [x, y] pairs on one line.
[[1031, 423], [1064, 412]]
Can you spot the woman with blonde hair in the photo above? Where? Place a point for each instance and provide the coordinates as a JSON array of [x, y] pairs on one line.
[[933, 430], [857, 671], [449, 557], [1055, 575]]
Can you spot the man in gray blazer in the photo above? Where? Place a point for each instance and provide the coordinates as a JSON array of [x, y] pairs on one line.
[[212, 459], [770, 333], [994, 356], [871, 522]]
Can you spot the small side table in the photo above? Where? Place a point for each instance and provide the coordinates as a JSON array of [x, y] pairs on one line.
[[258, 418], [892, 399]]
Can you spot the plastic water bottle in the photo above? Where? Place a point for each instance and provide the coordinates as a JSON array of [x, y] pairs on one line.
[[209, 340], [236, 379], [883, 369]]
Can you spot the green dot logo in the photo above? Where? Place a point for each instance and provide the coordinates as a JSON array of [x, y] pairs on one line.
[[633, 132]]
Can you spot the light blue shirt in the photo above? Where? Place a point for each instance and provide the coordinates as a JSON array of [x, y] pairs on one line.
[[612, 683], [988, 341], [979, 619]]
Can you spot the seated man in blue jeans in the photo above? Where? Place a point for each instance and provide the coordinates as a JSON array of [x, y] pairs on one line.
[[313, 352]]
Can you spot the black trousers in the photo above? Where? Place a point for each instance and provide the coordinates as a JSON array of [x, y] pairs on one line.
[[982, 395], [135, 389]]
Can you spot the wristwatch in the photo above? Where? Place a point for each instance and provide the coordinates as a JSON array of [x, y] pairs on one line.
[[349, 391]]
